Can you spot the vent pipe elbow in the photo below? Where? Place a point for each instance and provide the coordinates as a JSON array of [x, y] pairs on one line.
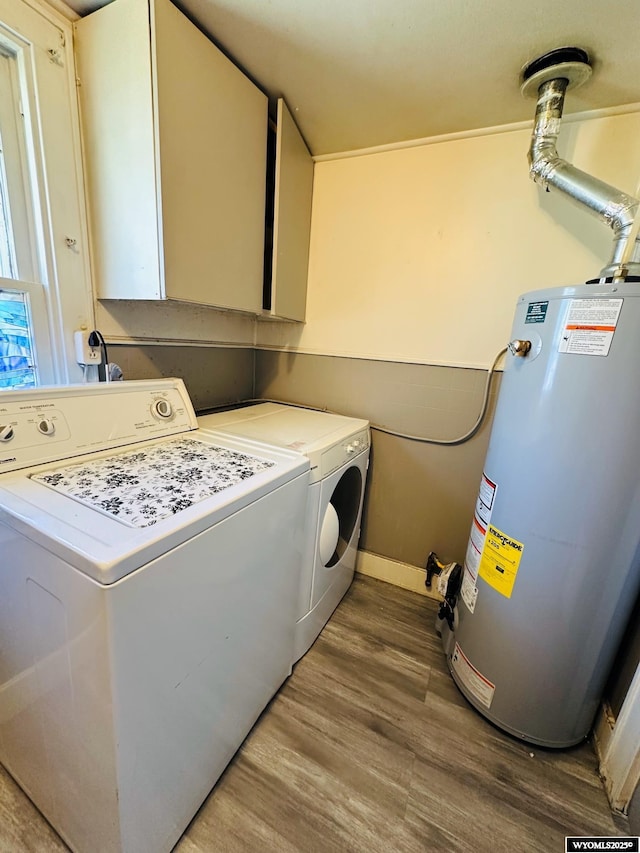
[[551, 76]]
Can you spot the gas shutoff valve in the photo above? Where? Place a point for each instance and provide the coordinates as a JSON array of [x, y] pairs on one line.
[[520, 348]]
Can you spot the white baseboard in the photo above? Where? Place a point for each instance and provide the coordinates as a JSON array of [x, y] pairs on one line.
[[394, 572]]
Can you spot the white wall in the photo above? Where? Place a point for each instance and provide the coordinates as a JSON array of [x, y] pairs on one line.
[[418, 254]]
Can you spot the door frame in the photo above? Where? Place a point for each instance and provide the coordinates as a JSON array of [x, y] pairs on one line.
[[618, 748]]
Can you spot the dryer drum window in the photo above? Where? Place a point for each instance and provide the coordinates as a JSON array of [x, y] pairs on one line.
[[346, 502]]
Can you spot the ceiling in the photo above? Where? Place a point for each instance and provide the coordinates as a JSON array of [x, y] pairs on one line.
[[362, 73]]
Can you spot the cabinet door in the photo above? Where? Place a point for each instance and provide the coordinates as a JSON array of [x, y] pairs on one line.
[[292, 219], [114, 74], [211, 124]]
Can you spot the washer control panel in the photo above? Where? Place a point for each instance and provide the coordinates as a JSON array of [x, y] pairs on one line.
[[27, 426], [50, 424]]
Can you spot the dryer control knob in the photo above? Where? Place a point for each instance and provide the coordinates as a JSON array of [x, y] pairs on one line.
[[46, 426], [6, 432], [351, 448]]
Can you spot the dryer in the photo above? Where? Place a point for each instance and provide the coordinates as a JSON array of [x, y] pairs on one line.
[[338, 450], [147, 602]]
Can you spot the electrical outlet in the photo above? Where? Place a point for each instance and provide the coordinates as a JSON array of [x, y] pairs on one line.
[[86, 354]]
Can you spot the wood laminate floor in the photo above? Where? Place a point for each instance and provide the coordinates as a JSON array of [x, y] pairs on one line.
[[369, 746]]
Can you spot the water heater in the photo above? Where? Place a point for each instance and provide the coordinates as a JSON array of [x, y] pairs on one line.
[[552, 567]]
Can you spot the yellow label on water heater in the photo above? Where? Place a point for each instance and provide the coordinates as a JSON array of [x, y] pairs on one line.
[[500, 560]]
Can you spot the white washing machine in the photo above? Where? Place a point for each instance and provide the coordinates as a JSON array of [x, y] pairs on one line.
[[338, 450], [147, 601]]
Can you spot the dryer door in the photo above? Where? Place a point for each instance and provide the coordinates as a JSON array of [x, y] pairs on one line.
[[339, 527]]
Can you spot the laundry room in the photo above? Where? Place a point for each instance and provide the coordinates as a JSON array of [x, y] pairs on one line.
[[397, 250]]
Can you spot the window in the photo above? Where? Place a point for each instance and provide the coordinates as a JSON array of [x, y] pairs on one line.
[[7, 248], [25, 349], [17, 359], [44, 271], [18, 367]]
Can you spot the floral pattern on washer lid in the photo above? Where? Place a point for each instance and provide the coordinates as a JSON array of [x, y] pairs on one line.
[[141, 487]]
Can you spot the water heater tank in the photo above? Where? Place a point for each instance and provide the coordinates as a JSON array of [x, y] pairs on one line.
[[553, 562]]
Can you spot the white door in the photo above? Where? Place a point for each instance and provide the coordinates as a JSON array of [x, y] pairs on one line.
[[338, 525]]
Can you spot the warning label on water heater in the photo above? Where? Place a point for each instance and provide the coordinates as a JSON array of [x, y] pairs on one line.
[[589, 326], [475, 682], [477, 537], [500, 561]]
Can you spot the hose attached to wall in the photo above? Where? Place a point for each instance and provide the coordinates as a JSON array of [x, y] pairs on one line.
[[450, 442], [470, 433]]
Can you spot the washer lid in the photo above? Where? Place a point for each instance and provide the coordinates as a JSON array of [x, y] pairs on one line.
[[110, 513], [302, 430], [141, 487]]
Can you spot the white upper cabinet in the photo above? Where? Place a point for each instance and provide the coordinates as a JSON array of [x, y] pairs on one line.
[[291, 220], [175, 150]]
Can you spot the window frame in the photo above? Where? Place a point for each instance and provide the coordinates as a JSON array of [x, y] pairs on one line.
[[41, 339], [60, 291], [16, 179]]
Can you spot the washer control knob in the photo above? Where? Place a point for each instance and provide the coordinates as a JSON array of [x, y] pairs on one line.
[[6, 432], [351, 448], [46, 426], [162, 409]]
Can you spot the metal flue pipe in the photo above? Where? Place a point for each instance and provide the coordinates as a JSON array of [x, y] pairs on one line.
[[546, 167]]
